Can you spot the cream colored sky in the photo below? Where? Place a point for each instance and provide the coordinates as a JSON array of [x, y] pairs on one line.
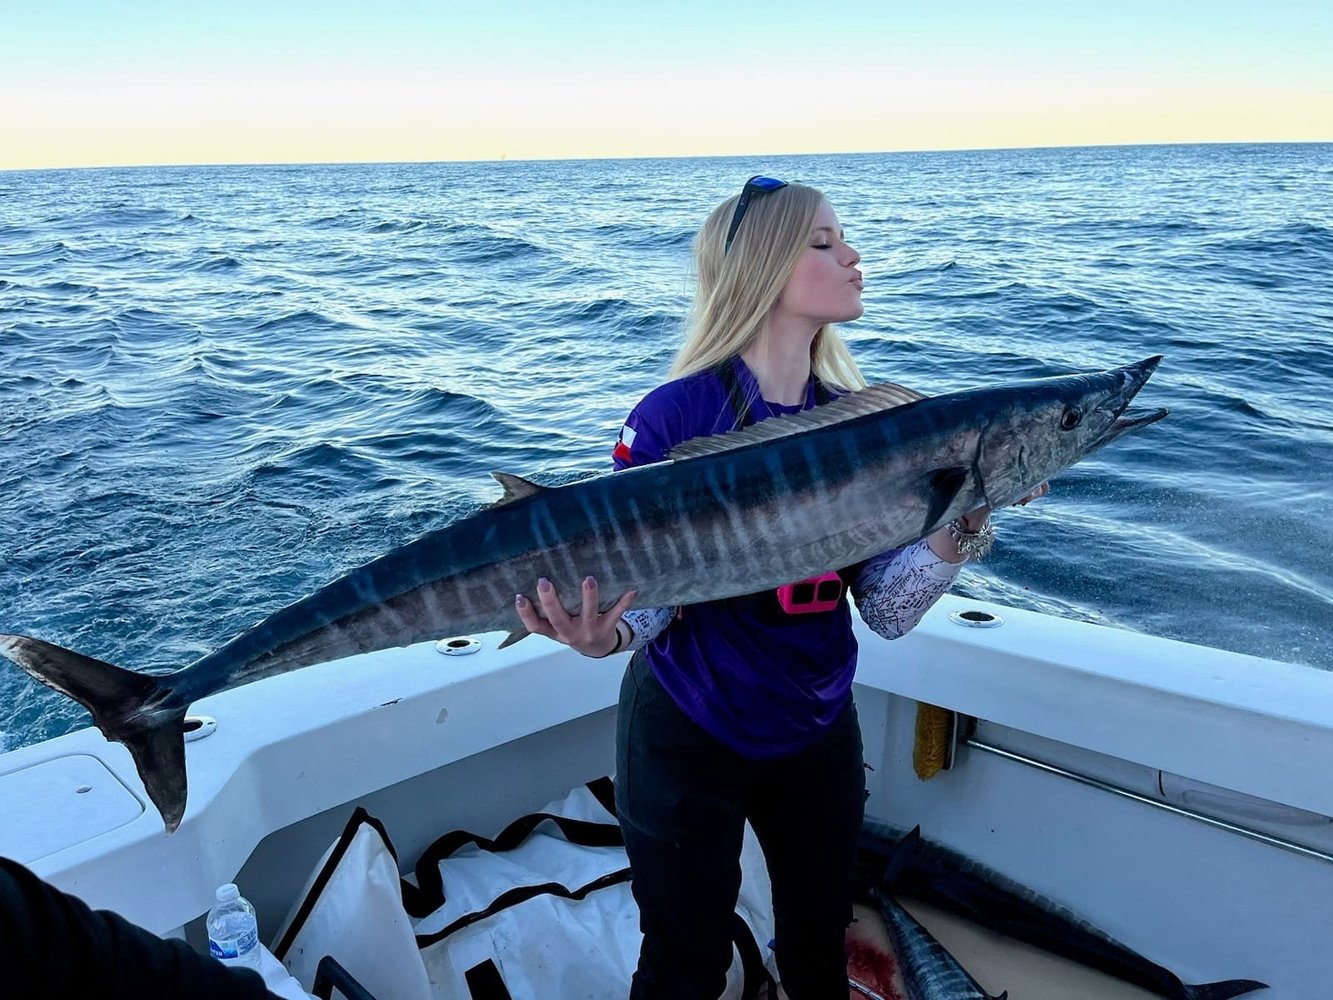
[[210, 99]]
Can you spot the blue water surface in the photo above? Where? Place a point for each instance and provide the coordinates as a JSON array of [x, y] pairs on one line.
[[221, 387]]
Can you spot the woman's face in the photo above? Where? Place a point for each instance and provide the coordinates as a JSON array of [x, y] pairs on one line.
[[826, 285]]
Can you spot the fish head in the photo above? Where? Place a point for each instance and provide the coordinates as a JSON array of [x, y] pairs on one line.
[[1042, 427]]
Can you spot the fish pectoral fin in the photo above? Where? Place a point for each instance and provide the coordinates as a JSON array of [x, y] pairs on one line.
[[515, 487], [942, 487], [514, 637]]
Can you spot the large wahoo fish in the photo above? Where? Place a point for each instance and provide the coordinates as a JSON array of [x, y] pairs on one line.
[[732, 514]]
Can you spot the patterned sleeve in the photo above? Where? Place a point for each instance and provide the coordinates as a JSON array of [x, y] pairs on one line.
[[894, 591]]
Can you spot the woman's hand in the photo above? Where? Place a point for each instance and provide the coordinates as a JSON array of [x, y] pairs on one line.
[[1036, 494], [974, 519], [588, 632], [974, 523]]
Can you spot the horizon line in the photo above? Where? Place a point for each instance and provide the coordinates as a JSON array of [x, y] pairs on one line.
[[706, 156]]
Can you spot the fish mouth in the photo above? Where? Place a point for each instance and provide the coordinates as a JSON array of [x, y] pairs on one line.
[[1131, 422], [1136, 376]]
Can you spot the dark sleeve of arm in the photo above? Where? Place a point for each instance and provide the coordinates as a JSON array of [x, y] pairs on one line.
[[57, 946]]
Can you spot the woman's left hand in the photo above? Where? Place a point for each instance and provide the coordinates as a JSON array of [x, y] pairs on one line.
[[1036, 494]]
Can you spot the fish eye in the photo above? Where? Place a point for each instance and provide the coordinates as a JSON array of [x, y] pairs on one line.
[[1071, 418]]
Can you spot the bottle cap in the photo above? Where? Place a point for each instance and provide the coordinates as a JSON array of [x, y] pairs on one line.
[[226, 893]]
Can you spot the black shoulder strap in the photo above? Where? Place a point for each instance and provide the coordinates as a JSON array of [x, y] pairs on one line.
[[741, 411], [740, 406]]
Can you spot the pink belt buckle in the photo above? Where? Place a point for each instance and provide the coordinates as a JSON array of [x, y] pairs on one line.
[[819, 593]]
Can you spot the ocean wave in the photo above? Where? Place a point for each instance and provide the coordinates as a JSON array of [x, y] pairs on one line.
[[216, 262], [1291, 240], [644, 237], [476, 245], [69, 288], [398, 226], [432, 401], [53, 252], [338, 220], [300, 320], [304, 464]]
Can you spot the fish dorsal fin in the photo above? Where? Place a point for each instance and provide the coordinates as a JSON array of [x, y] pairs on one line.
[[875, 399], [516, 488]]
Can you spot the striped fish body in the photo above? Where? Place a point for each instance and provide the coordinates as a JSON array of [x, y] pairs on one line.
[[744, 512], [928, 970]]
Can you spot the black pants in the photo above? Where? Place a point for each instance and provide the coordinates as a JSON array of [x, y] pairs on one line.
[[683, 798]]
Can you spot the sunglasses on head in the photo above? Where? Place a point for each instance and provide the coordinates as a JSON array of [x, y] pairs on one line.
[[757, 184]]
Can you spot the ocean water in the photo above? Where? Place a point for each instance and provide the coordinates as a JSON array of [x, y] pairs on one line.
[[222, 387]]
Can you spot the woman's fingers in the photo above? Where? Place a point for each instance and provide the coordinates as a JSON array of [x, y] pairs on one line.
[[622, 605], [586, 630], [590, 600], [1036, 494], [552, 608], [527, 614]]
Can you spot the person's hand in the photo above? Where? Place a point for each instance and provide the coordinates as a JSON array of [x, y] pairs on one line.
[[588, 632], [1036, 494], [974, 519]]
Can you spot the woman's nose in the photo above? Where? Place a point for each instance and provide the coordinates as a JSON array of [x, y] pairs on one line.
[[850, 257]]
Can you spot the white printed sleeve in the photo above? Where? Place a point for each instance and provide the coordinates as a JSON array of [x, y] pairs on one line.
[[648, 624], [895, 590]]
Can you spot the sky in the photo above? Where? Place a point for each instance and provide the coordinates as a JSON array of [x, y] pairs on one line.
[[104, 82]]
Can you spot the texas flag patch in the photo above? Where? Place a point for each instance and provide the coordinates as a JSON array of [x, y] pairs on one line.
[[624, 444]]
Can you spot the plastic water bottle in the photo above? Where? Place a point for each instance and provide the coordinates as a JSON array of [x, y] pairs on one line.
[[233, 932]]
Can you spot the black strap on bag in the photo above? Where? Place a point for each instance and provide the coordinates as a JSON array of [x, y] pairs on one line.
[[330, 975], [485, 983], [754, 976]]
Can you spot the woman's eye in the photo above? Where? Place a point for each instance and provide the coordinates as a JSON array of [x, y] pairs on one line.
[[822, 246]]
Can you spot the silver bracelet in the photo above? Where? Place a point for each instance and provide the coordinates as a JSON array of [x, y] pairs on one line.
[[971, 544]]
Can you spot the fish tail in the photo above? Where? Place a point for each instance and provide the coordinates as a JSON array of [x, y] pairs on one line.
[[1220, 991], [140, 711]]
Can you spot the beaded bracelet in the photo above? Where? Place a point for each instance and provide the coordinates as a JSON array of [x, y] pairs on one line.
[[971, 544]]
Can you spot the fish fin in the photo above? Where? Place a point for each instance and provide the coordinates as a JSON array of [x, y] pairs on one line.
[[513, 637], [875, 399], [1002, 996], [516, 488], [900, 856], [943, 486], [1224, 990], [139, 711]]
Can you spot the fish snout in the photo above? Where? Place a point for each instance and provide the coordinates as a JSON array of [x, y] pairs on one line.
[[1136, 376]]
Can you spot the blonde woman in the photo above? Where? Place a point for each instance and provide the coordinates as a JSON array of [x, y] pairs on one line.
[[742, 709]]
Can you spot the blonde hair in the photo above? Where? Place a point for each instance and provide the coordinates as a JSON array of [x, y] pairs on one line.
[[737, 290]]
